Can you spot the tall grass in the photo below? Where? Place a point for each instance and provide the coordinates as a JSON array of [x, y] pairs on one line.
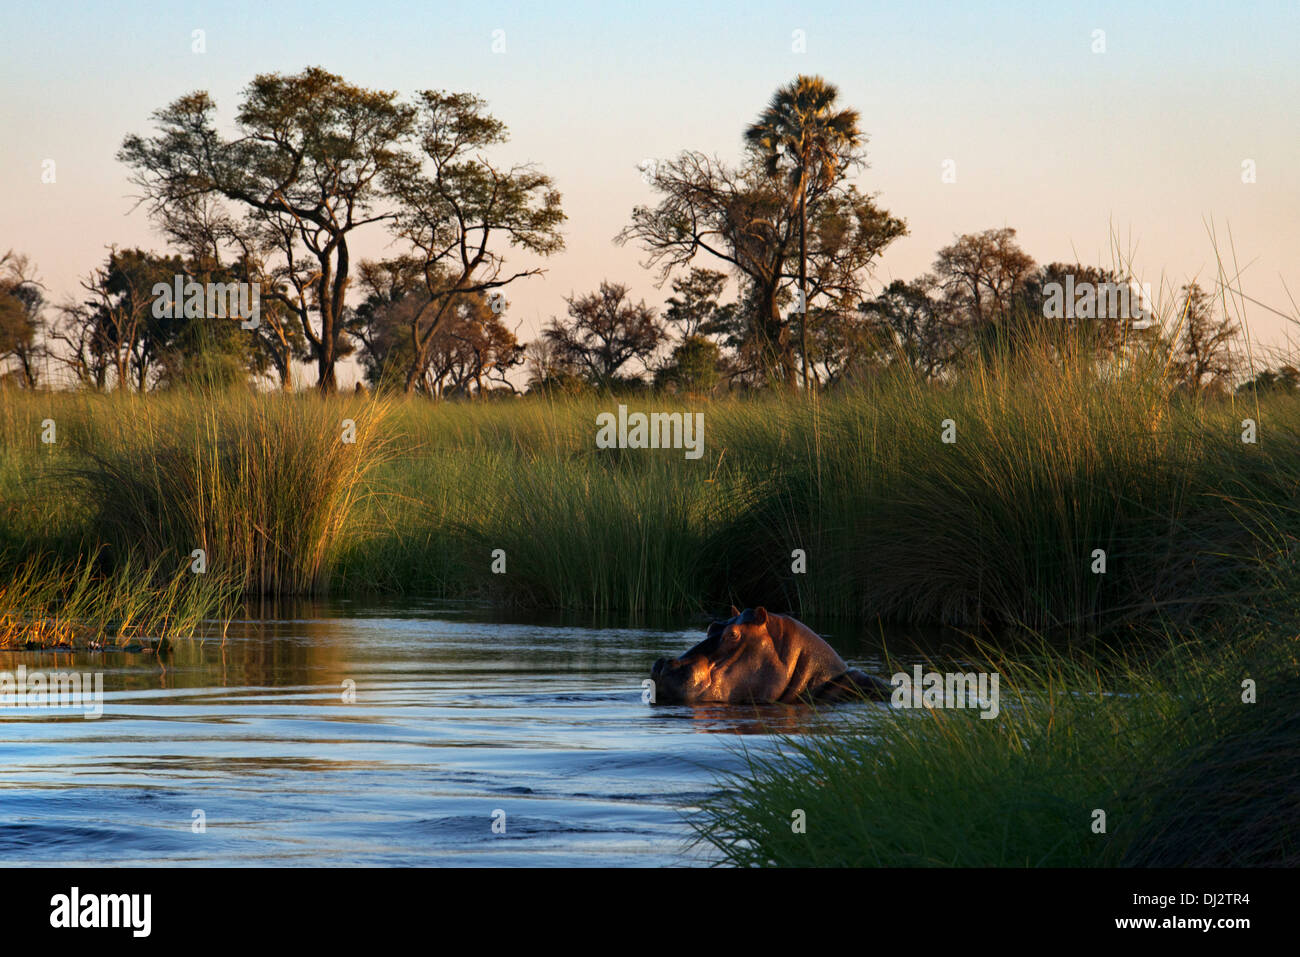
[[1001, 526], [579, 527], [47, 603], [1048, 465], [1185, 772], [1052, 462], [263, 485]]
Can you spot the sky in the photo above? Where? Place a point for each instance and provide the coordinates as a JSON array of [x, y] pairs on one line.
[[1134, 152]]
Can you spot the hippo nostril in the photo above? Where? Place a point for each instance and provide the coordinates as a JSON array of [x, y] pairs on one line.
[[658, 666]]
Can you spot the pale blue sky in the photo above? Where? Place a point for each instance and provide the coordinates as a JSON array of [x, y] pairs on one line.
[[1068, 146]]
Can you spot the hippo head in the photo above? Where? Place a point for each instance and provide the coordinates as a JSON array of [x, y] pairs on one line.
[[751, 656]]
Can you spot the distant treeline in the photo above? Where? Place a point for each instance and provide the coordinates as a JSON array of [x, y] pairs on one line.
[[275, 206]]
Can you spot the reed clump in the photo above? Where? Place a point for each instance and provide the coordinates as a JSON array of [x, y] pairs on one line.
[[258, 488]]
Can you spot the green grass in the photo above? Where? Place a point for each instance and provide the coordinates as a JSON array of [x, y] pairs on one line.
[[1185, 772], [263, 485], [46, 603], [998, 528]]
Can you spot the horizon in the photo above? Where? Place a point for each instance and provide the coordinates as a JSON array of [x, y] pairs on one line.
[[930, 90]]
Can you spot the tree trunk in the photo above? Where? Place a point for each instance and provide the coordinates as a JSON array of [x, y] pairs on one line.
[[772, 335], [325, 381], [803, 280]]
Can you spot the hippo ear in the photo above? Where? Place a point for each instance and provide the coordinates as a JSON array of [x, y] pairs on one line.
[[735, 612], [760, 615]]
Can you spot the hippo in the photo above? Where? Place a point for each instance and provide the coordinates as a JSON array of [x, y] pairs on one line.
[[760, 657]]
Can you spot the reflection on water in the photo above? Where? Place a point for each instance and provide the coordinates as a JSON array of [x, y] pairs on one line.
[[378, 737]]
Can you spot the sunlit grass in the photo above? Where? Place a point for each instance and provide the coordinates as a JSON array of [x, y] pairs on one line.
[[48, 604], [1051, 465], [264, 486]]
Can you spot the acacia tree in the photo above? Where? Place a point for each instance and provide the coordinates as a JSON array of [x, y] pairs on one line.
[[304, 169], [607, 331], [803, 132], [455, 206]]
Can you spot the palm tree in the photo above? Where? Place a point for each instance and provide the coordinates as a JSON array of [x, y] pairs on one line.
[[802, 127]]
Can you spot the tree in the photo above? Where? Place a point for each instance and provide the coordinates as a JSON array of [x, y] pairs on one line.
[[84, 354], [305, 169], [982, 275], [117, 338], [786, 213], [733, 327], [694, 309], [1104, 318], [695, 367], [1203, 353], [205, 355], [744, 217], [475, 351], [841, 344], [471, 349], [737, 216], [279, 335], [205, 232], [381, 323], [22, 305], [1285, 378], [453, 211], [696, 363], [198, 348], [550, 370], [911, 326], [802, 131], [607, 331], [111, 338]]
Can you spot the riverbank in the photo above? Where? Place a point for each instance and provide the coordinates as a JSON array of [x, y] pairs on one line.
[[1191, 759], [1010, 498]]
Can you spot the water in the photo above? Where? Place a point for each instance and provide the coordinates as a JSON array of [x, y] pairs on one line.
[[379, 738]]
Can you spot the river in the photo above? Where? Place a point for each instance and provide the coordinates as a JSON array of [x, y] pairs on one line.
[[354, 735]]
